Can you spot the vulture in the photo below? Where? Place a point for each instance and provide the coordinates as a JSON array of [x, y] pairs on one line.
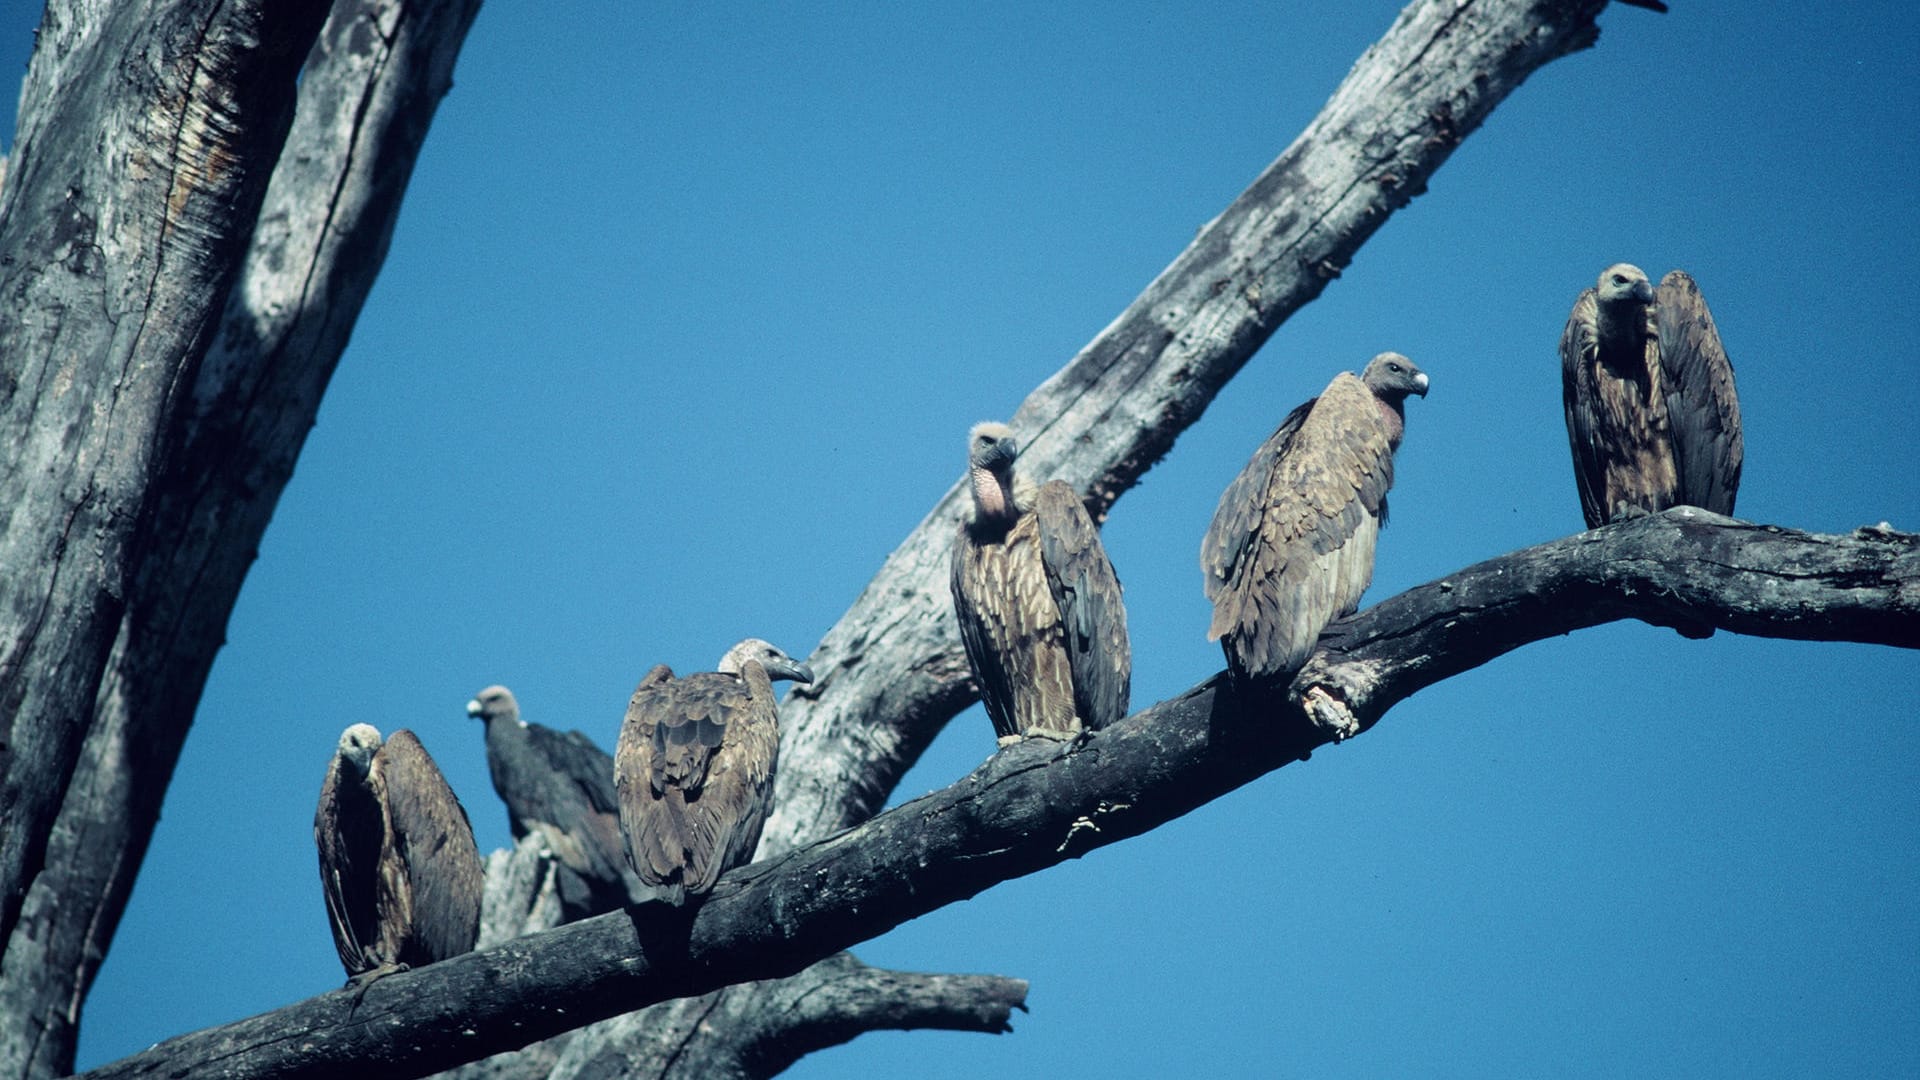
[[1039, 606], [694, 768], [398, 866], [1651, 413], [1291, 544], [558, 786]]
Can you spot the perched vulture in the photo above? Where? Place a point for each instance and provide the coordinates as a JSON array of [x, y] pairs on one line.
[[1291, 544], [398, 866], [694, 768], [558, 786], [1039, 605], [1651, 412]]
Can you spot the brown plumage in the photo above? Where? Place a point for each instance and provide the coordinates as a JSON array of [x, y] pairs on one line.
[[559, 786], [1652, 417], [398, 866], [1291, 545], [1039, 606], [694, 768]]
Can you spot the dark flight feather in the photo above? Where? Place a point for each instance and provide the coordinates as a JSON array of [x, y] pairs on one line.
[[559, 786], [399, 870]]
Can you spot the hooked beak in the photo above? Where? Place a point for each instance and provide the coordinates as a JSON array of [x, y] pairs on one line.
[[1420, 384], [475, 709], [1643, 292], [998, 456], [793, 670]]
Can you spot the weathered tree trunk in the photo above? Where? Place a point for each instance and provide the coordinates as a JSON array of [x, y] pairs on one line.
[[370, 86], [1042, 801], [147, 134]]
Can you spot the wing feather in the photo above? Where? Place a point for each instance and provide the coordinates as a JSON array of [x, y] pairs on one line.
[[434, 841], [1702, 406], [1087, 594], [693, 771], [1579, 345], [347, 830], [1236, 520]]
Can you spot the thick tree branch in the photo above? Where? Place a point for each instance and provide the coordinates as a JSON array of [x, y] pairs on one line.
[[782, 1020], [1042, 802], [891, 671], [367, 94], [1683, 566]]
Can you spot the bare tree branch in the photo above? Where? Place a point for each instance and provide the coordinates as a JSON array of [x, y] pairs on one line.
[[1041, 802], [891, 670], [1685, 565], [892, 673], [827, 1004]]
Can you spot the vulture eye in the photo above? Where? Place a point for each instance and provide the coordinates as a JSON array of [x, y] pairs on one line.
[[1395, 368]]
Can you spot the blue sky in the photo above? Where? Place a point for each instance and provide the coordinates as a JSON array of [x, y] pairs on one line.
[[682, 330]]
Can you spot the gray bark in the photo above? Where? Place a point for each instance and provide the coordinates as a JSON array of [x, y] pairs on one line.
[[148, 132], [373, 79], [1040, 802]]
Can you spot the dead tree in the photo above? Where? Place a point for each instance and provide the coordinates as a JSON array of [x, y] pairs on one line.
[[119, 565]]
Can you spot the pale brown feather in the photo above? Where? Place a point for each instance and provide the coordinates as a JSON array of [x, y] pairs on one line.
[[1291, 546]]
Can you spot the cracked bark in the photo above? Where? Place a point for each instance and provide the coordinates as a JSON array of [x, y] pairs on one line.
[[370, 85], [147, 134], [1040, 802]]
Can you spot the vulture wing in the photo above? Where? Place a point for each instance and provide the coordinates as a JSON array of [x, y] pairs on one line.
[[581, 803], [433, 844], [694, 770], [587, 767], [1087, 594], [1701, 404], [1312, 529], [1235, 531], [347, 829], [1579, 344], [1011, 630]]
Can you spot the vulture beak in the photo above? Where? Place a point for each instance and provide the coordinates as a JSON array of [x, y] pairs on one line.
[[1420, 383], [798, 672], [474, 708], [1643, 292], [1000, 455]]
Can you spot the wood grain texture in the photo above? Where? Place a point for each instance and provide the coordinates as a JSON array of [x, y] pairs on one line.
[[131, 192], [372, 81], [1041, 802], [891, 671]]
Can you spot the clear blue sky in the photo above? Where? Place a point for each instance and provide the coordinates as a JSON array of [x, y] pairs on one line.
[[682, 331]]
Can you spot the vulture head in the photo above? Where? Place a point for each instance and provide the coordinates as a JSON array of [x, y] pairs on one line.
[[1623, 283], [1392, 377], [494, 702], [358, 744], [999, 496], [992, 447], [776, 664]]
